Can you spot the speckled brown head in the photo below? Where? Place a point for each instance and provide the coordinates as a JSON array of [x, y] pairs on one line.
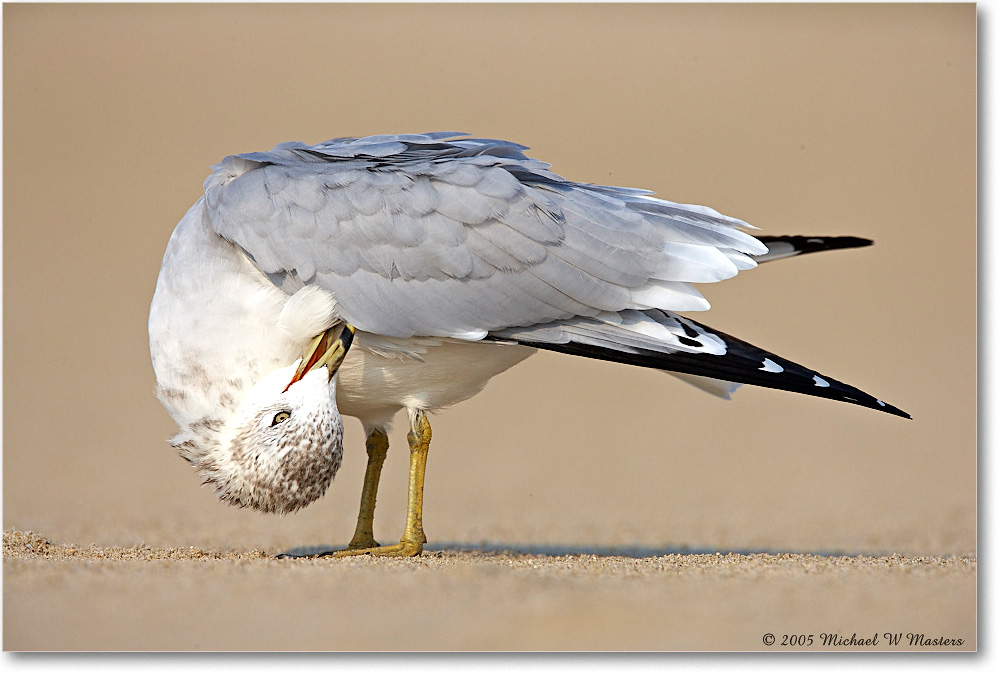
[[283, 446]]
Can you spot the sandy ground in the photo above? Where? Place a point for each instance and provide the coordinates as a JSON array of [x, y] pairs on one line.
[[169, 599], [573, 504]]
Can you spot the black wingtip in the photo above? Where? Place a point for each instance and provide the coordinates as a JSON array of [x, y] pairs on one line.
[[893, 410], [874, 403], [806, 244], [742, 363]]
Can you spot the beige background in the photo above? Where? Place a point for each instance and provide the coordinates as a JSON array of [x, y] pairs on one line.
[[805, 119]]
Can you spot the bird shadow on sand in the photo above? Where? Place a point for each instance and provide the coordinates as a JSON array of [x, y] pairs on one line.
[[557, 550]]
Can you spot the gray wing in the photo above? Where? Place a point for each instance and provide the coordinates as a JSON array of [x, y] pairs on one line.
[[434, 235]]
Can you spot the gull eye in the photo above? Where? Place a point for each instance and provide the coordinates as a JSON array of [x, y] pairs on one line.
[[280, 417]]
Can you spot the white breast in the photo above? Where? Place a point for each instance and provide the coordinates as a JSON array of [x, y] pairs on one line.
[[376, 381], [213, 324]]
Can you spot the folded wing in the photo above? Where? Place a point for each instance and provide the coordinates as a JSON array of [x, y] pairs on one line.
[[435, 236]]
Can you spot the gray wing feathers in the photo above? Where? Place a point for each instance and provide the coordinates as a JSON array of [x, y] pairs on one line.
[[419, 235]]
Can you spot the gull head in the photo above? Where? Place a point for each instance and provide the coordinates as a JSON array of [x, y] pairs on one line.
[[280, 449]]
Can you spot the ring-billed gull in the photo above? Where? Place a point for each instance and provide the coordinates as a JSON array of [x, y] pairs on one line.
[[445, 260]]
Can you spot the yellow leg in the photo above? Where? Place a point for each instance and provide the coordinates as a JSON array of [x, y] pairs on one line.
[[377, 445], [419, 440], [413, 539]]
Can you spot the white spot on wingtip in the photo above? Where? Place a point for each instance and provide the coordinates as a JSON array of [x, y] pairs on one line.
[[770, 366], [820, 382]]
